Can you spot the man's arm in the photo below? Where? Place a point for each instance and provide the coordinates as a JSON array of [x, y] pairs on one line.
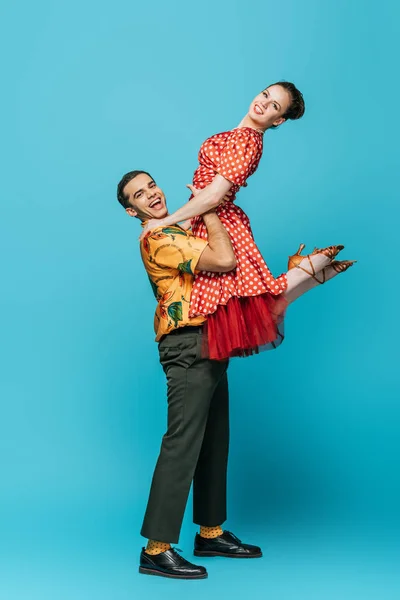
[[218, 255]]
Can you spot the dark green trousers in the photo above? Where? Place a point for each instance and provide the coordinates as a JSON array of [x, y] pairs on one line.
[[195, 445]]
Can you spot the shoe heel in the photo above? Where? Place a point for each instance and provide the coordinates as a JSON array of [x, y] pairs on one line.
[[295, 259], [145, 571]]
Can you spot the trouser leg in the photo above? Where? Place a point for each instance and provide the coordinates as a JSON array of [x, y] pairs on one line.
[[191, 382], [209, 483]]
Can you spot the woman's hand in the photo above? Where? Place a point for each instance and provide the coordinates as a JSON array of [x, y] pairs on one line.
[[152, 224]]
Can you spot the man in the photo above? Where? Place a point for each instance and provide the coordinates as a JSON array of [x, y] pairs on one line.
[[195, 446]]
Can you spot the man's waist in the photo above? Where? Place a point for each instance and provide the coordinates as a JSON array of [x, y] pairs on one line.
[[185, 330]]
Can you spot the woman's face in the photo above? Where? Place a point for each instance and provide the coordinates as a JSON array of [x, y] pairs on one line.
[[268, 107]]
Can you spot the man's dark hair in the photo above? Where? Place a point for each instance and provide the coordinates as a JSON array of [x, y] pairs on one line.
[[297, 106], [122, 198]]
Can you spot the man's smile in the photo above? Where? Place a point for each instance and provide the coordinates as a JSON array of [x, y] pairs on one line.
[[156, 203]]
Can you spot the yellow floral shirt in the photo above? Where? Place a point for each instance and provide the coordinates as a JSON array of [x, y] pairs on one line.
[[170, 256]]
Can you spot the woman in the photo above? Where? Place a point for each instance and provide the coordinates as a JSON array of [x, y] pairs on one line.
[[245, 308]]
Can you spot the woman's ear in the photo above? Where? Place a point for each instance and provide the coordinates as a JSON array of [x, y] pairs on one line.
[[131, 212], [279, 122]]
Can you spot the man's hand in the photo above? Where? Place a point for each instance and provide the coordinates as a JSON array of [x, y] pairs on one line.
[[195, 192]]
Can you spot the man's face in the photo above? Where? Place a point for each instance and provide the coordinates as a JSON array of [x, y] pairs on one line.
[[146, 199]]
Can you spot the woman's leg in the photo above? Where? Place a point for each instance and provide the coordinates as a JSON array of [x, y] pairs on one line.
[[308, 268], [336, 267], [301, 269]]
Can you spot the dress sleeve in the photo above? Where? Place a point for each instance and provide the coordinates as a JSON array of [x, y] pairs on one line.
[[239, 157], [173, 248]]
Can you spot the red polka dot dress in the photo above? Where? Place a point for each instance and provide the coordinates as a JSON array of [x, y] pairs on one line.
[[244, 308]]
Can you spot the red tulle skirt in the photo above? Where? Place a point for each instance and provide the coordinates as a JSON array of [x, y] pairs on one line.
[[245, 326]]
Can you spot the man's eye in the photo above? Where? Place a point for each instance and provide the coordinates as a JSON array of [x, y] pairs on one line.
[[265, 94], [275, 107]]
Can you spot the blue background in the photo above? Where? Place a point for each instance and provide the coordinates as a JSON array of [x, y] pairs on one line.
[[91, 91]]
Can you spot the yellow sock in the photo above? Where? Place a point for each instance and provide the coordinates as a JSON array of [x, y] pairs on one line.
[[210, 532], [154, 547]]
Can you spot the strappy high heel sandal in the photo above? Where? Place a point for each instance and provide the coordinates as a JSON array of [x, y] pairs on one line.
[[340, 266], [329, 251], [295, 259]]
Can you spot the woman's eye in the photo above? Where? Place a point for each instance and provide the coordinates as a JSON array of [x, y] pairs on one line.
[[275, 107], [265, 94]]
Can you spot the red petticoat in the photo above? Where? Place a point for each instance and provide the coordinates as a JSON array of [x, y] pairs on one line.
[[244, 326]]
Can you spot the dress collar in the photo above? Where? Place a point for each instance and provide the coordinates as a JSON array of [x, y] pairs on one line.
[[252, 129]]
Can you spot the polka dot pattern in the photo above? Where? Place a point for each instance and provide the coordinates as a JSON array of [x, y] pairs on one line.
[[153, 547], [211, 532], [235, 155]]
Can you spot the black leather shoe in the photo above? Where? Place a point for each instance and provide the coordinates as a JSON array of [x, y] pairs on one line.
[[170, 564], [226, 544]]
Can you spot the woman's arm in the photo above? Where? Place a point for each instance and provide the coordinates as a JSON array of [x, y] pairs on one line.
[[186, 224], [207, 199]]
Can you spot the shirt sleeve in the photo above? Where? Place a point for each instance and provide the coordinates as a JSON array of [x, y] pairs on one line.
[[174, 248], [239, 157]]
